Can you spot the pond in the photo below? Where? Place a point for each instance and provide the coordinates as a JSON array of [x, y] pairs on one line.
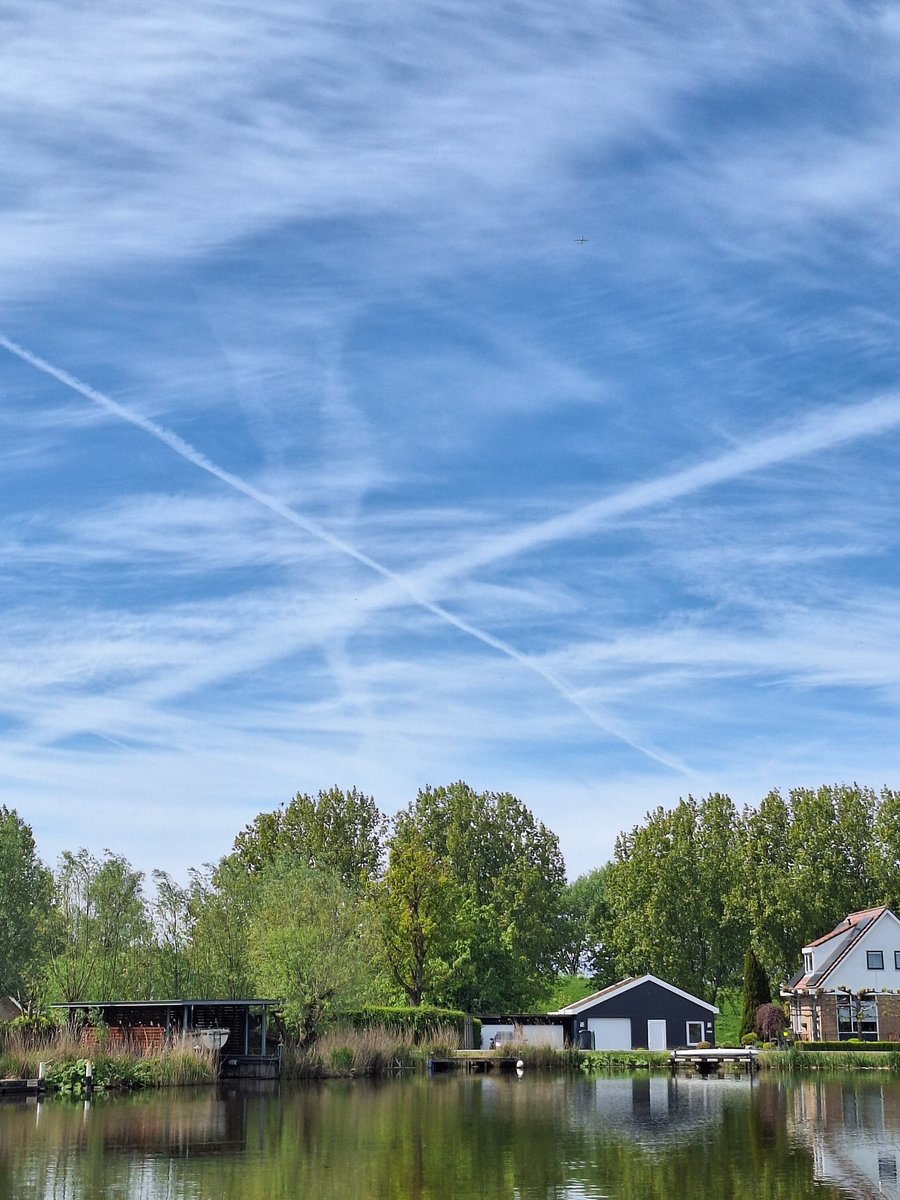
[[623, 1138]]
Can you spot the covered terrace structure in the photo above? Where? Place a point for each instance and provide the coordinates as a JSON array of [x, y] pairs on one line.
[[237, 1029]]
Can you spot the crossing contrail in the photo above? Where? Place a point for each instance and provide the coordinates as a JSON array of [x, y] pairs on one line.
[[196, 458]]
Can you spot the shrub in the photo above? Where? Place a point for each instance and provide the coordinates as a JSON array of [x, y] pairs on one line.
[[749, 1039]]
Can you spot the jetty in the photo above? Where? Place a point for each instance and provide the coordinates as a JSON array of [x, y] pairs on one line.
[[475, 1061], [705, 1061]]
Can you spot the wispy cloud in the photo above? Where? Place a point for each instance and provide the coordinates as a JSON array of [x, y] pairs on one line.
[[377, 465]]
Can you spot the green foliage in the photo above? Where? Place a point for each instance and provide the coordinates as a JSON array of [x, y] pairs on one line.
[[502, 930], [597, 1061], [24, 908], [105, 941], [728, 1022], [875, 1047], [418, 905], [671, 892], [756, 991], [420, 1021], [336, 831], [220, 907], [309, 943], [587, 929], [67, 1076], [567, 989]]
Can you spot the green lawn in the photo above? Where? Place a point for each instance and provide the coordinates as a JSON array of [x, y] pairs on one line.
[[728, 1022]]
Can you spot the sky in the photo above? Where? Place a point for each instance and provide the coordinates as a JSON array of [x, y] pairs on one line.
[[396, 394]]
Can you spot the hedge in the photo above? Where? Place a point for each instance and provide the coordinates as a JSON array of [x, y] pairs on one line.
[[855, 1046], [422, 1021]]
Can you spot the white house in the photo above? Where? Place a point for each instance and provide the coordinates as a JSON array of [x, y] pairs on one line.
[[849, 985]]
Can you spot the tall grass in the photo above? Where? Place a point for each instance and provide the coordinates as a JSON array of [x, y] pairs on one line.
[[64, 1058], [346, 1051], [795, 1060]]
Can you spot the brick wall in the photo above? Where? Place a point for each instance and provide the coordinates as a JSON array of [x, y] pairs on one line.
[[889, 1018]]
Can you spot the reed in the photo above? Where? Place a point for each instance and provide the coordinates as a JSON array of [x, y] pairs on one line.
[[796, 1060], [65, 1057], [347, 1051]]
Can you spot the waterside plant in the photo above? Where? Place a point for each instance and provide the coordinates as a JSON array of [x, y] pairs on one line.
[[65, 1063]]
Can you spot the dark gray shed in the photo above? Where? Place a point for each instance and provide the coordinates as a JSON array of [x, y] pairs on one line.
[[640, 1013]]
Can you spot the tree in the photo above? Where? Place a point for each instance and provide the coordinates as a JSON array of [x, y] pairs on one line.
[[418, 907], [220, 907], [763, 883], [770, 1022], [756, 991], [309, 944], [509, 877], [172, 927], [24, 907], [104, 929], [671, 894], [588, 927], [337, 831]]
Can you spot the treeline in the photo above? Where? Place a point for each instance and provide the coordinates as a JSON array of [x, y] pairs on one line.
[[459, 901]]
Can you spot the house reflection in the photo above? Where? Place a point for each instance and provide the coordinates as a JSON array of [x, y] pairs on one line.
[[853, 1133], [657, 1110]]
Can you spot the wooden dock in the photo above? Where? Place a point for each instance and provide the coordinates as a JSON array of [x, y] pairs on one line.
[[21, 1087], [706, 1061]]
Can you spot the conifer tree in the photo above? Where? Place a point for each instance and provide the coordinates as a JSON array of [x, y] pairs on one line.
[[756, 991]]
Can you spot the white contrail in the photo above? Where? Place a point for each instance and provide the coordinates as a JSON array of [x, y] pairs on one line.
[[191, 455], [823, 430]]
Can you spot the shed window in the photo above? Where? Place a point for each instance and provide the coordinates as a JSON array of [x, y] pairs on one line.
[[694, 1032], [875, 960]]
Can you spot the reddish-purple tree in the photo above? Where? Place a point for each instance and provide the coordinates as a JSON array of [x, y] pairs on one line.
[[770, 1022]]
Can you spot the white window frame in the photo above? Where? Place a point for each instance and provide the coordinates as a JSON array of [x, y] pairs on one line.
[[697, 1024], [808, 963]]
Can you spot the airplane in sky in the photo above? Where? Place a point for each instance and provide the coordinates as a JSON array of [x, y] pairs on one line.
[[580, 241]]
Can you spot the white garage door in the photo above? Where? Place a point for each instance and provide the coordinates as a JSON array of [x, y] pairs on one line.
[[611, 1033]]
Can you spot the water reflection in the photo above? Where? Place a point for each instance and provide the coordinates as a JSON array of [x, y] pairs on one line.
[[493, 1136], [853, 1133]]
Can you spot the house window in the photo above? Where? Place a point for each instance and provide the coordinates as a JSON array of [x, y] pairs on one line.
[[694, 1032], [875, 960], [897, 960], [857, 1019], [808, 964]]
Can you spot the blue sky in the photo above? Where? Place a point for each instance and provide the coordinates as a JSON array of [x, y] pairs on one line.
[[330, 456]]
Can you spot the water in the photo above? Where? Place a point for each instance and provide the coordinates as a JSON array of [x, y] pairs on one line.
[[534, 1138]]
